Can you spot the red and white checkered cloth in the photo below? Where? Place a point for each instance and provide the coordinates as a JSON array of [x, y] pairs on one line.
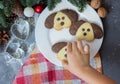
[[38, 70]]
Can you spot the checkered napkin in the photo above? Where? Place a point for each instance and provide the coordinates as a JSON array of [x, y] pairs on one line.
[[38, 70]]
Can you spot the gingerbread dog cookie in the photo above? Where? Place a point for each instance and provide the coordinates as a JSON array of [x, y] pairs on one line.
[[86, 31], [61, 19], [61, 50]]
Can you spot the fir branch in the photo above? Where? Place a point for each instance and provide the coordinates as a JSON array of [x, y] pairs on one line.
[[3, 21], [1, 5], [23, 2], [30, 3], [43, 1], [8, 6], [52, 3], [57, 1], [27, 3], [81, 4]]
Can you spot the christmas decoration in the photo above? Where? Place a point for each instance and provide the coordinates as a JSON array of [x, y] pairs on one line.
[[3, 21], [81, 4], [28, 3], [18, 9], [52, 3], [11, 18], [6, 7], [4, 37], [38, 8], [28, 11]]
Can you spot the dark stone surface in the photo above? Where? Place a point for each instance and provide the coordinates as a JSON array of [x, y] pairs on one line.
[[110, 50]]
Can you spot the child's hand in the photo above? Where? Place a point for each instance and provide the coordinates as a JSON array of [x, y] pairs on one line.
[[77, 56], [78, 64]]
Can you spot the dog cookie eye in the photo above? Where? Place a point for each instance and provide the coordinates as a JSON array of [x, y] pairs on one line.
[[83, 29], [84, 34], [88, 30], [63, 18], [62, 23], [58, 19], [65, 55]]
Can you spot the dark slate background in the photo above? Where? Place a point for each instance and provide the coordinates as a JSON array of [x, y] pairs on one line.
[[110, 50]]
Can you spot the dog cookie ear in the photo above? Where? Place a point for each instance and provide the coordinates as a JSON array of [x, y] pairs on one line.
[[61, 50], [58, 46], [75, 27], [71, 14], [98, 33], [49, 22]]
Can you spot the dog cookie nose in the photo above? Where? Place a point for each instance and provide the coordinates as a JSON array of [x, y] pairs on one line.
[[62, 23], [84, 34]]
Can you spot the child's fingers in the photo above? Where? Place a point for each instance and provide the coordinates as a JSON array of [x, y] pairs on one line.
[[69, 47], [80, 46], [86, 49], [74, 46]]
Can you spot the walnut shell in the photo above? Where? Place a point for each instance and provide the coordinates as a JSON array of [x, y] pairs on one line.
[[102, 12], [96, 3]]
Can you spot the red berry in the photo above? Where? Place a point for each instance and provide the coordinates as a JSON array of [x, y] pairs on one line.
[[38, 8]]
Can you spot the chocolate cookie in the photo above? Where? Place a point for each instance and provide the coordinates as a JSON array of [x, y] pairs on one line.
[[61, 19], [86, 31], [61, 50]]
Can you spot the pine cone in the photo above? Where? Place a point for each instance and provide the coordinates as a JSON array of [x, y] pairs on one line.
[[11, 18], [4, 37], [17, 8]]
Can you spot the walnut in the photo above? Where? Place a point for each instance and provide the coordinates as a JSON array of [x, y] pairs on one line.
[[96, 3], [102, 12]]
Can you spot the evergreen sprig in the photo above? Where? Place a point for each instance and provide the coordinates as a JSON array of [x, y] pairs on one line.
[[1, 5], [52, 3], [6, 7], [81, 4], [3, 21], [28, 3]]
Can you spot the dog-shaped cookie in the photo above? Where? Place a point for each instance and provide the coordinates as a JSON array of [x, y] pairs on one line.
[[61, 49], [86, 31], [61, 19]]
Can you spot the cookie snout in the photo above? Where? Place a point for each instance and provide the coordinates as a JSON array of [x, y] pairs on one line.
[[62, 23], [84, 34]]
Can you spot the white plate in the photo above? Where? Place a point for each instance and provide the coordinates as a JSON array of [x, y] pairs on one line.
[[45, 38]]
